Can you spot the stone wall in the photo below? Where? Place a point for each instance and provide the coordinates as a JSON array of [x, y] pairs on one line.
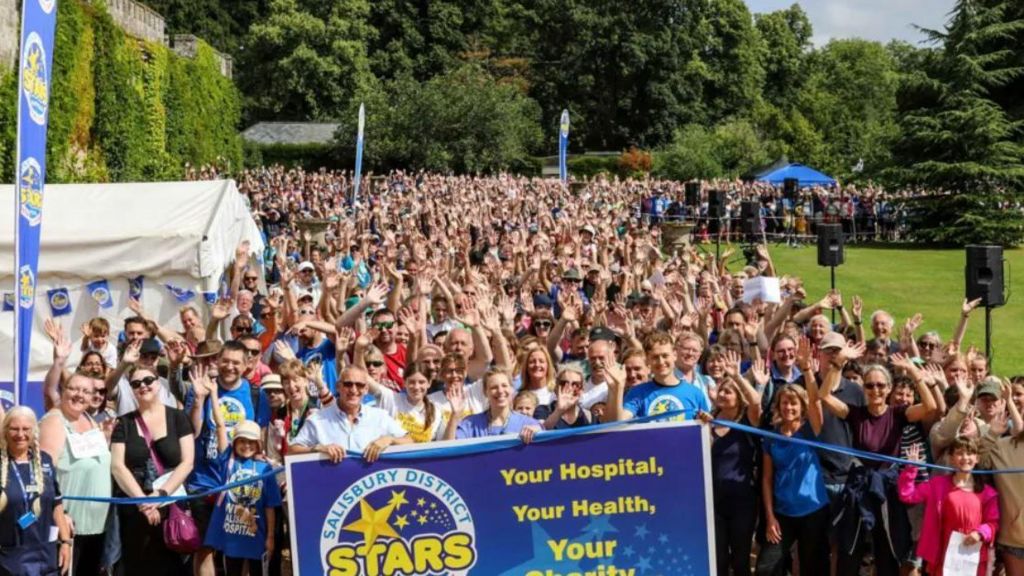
[[10, 28], [138, 20], [134, 18]]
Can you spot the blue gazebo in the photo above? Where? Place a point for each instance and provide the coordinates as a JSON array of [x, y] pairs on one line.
[[807, 176]]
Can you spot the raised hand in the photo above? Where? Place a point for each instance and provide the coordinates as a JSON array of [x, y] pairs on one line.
[[132, 352], [760, 371], [222, 309], [914, 453], [366, 338], [804, 354], [242, 255], [456, 396], [968, 306], [376, 295]]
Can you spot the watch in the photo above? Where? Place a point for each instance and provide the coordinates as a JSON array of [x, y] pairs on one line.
[[162, 492]]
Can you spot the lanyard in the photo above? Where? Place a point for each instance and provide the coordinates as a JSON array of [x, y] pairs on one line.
[[21, 483]]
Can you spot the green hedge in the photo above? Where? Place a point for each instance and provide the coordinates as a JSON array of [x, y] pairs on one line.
[[590, 166], [124, 109]]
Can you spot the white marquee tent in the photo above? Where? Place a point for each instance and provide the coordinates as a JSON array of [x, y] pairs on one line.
[[178, 233]]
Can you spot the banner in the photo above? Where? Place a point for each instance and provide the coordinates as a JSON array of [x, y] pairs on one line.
[[631, 501], [563, 147], [35, 65], [359, 154]]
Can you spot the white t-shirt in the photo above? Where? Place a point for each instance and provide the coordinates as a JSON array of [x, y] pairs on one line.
[[411, 418], [127, 404], [476, 401], [593, 393]]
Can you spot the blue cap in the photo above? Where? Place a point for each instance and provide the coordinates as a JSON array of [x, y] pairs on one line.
[[543, 301]]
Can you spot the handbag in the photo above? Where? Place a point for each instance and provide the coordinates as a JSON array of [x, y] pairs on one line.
[[180, 531]]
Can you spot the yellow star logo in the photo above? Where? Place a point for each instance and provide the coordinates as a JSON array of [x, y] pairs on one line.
[[422, 519], [433, 505], [421, 502], [373, 524], [397, 499], [401, 522]]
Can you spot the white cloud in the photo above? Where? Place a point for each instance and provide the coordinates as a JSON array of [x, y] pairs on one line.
[[880, 20]]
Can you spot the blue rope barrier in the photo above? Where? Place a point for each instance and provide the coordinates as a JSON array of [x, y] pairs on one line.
[[547, 436]]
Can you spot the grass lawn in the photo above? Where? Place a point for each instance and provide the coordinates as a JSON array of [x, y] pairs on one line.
[[907, 280]]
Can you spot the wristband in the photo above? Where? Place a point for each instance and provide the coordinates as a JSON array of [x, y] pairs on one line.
[[162, 492]]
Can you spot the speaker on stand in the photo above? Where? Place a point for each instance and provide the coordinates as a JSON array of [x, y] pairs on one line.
[[831, 251], [983, 276]]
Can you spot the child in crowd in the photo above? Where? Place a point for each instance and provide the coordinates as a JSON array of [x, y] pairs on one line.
[[958, 503], [239, 524], [525, 403]]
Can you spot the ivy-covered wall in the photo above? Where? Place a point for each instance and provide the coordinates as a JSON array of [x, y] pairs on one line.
[[124, 109]]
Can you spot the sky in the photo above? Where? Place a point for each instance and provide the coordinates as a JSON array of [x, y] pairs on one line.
[[881, 20]]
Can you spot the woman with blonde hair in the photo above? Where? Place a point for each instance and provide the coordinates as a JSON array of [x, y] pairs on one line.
[[78, 446], [34, 534], [537, 375]]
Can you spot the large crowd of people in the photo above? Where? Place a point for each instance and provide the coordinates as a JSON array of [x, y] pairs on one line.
[[444, 307]]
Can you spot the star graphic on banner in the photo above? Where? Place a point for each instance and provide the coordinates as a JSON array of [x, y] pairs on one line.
[[373, 523], [643, 565], [599, 526], [401, 522], [433, 505], [663, 538], [421, 502], [650, 549], [397, 499], [422, 519], [542, 559], [641, 531], [628, 552]]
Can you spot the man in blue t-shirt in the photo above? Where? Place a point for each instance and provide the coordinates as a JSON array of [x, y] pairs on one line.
[[234, 401], [665, 392]]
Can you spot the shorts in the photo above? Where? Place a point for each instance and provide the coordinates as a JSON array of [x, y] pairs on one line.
[[202, 511], [1011, 550]]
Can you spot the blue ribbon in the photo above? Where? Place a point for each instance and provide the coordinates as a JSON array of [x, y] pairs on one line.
[[547, 436]]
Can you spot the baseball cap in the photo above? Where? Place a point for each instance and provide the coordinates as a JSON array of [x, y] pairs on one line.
[[150, 346], [832, 340], [248, 430], [307, 265], [603, 333], [589, 228], [543, 301], [990, 385], [304, 294]]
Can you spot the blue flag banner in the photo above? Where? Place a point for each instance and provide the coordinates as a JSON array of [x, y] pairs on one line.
[[182, 295], [210, 298], [60, 301], [629, 501], [563, 147], [359, 154], [135, 287], [100, 292], [8, 301], [35, 64]]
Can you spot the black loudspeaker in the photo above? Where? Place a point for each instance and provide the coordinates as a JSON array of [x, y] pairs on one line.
[[789, 187], [830, 245], [716, 204], [750, 212], [693, 194], [984, 275]]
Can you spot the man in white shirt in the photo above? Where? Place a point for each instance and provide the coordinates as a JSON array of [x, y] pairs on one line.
[[349, 425]]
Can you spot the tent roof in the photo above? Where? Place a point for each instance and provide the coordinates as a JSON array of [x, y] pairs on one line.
[[807, 176], [290, 133], [159, 228]]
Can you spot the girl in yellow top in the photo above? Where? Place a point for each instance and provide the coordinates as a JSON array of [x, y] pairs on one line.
[[412, 409]]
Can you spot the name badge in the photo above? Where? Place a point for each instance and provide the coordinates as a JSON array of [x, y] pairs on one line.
[[27, 519], [91, 444]]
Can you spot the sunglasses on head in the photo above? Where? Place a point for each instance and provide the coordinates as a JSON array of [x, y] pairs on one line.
[[148, 381]]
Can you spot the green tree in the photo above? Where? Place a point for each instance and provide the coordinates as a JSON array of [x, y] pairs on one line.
[[963, 142], [691, 154], [298, 65], [786, 36], [735, 77], [462, 120]]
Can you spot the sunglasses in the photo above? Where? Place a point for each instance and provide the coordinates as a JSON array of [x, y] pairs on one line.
[[374, 363], [147, 381], [250, 278], [570, 383], [100, 391], [874, 385], [571, 280], [252, 351], [307, 312], [353, 384], [542, 324], [243, 329], [384, 325]]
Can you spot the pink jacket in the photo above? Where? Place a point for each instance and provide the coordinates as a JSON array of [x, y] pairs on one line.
[[933, 493]]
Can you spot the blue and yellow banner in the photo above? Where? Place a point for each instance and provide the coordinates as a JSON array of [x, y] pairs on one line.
[[563, 147], [35, 68], [359, 154], [631, 501]]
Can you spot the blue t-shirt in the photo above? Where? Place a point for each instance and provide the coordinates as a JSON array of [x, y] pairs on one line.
[[478, 425], [238, 527], [651, 398], [325, 354], [798, 482], [236, 407]]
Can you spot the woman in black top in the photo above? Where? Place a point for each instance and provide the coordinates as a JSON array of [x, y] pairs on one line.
[[734, 456], [30, 503], [566, 411], [142, 542]]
